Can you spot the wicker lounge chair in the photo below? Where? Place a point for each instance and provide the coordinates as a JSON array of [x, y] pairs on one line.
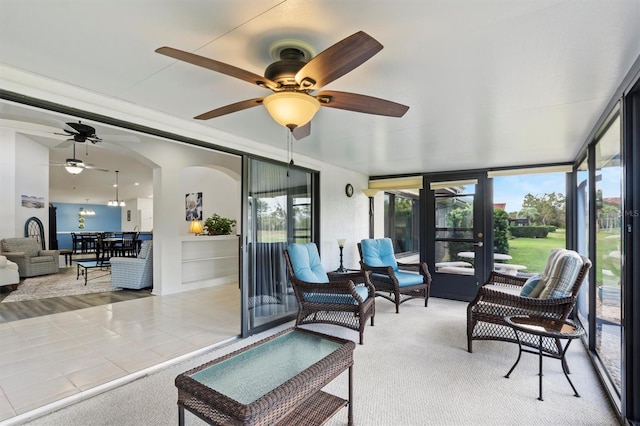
[[503, 295], [347, 300], [393, 280]]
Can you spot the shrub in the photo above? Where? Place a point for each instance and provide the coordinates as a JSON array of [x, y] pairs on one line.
[[501, 233], [530, 231]]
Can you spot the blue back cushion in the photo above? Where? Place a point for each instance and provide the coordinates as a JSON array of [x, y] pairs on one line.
[[378, 252], [530, 286], [305, 261]]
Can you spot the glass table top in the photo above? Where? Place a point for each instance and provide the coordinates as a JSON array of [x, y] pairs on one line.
[[249, 375], [546, 326]]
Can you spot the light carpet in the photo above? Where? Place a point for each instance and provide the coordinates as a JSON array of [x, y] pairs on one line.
[[64, 283], [413, 369]]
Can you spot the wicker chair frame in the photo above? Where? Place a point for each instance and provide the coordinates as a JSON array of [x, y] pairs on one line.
[[486, 312], [352, 316], [392, 291]]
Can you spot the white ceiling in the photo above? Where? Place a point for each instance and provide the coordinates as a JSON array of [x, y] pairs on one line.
[[490, 83]]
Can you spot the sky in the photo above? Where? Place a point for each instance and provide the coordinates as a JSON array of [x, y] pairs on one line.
[[512, 189]]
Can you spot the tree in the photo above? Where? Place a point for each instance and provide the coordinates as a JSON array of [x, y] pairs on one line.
[[550, 208]]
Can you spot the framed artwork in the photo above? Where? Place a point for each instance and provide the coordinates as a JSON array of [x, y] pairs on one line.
[[193, 206], [32, 202]]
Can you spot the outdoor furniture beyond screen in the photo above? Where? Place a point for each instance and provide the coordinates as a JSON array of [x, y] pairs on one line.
[[501, 297], [393, 280], [544, 328], [277, 380], [347, 300]]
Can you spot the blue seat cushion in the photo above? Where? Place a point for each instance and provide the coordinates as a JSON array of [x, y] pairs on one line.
[[305, 262], [404, 278], [340, 299], [378, 252]]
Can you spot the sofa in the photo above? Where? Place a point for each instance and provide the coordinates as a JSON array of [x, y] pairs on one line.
[[9, 274], [31, 259], [134, 272]]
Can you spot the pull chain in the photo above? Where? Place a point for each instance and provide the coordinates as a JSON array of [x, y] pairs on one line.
[[289, 149]]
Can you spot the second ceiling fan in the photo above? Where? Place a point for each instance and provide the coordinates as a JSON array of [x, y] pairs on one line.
[[293, 79]]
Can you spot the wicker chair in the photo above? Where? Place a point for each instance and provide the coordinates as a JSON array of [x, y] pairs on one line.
[[343, 302], [501, 296], [391, 282]]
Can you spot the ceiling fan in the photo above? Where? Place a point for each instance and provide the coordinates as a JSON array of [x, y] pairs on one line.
[[80, 133], [295, 76], [75, 166]]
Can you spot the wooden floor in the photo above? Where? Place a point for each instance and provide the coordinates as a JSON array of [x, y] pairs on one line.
[[14, 311]]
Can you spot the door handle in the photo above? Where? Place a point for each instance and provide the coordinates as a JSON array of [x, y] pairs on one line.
[[478, 244]]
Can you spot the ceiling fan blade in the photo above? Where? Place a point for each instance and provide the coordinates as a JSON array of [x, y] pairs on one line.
[[361, 103], [228, 109], [337, 60], [217, 66], [302, 131], [89, 166]]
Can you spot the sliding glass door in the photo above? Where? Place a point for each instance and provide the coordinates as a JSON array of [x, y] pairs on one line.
[[279, 210]]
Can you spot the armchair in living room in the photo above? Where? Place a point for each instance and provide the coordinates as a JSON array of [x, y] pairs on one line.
[[134, 272], [27, 253], [393, 280], [9, 274]]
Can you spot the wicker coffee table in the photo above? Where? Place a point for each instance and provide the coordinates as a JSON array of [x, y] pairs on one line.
[[274, 381]]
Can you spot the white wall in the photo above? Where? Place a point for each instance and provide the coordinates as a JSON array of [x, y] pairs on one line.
[[8, 179], [24, 172], [220, 192], [141, 215]]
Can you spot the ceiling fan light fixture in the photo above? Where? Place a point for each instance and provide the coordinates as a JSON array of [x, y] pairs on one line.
[[73, 169], [291, 109]]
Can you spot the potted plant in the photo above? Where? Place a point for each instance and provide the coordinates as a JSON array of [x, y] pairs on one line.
[[218, 225]]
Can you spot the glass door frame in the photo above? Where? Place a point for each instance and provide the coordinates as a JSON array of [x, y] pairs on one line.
[[454, 286], [244, 259]]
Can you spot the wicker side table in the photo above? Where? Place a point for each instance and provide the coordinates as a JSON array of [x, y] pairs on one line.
[[544, 327], [277, 380]]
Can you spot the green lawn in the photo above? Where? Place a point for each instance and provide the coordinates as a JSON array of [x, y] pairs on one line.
[[533, 252]]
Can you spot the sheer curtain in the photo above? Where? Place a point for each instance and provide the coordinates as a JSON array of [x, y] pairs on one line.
[[272, 224]]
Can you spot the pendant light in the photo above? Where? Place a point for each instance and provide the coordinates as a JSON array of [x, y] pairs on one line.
[[87, 211], [116, 202]]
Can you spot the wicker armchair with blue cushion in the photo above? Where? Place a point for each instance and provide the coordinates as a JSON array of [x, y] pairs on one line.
[[347, 300], [550, 294], [134, 272], [393, 280]]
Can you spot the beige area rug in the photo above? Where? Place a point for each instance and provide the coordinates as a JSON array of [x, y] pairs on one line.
[[64, 283]]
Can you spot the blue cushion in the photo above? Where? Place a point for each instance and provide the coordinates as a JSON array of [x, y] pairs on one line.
[[341, 299], [378, 252], [529, 286], [404, 278], [305, 261]]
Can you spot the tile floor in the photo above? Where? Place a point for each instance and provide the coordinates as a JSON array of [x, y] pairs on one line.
[[45, 359]]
